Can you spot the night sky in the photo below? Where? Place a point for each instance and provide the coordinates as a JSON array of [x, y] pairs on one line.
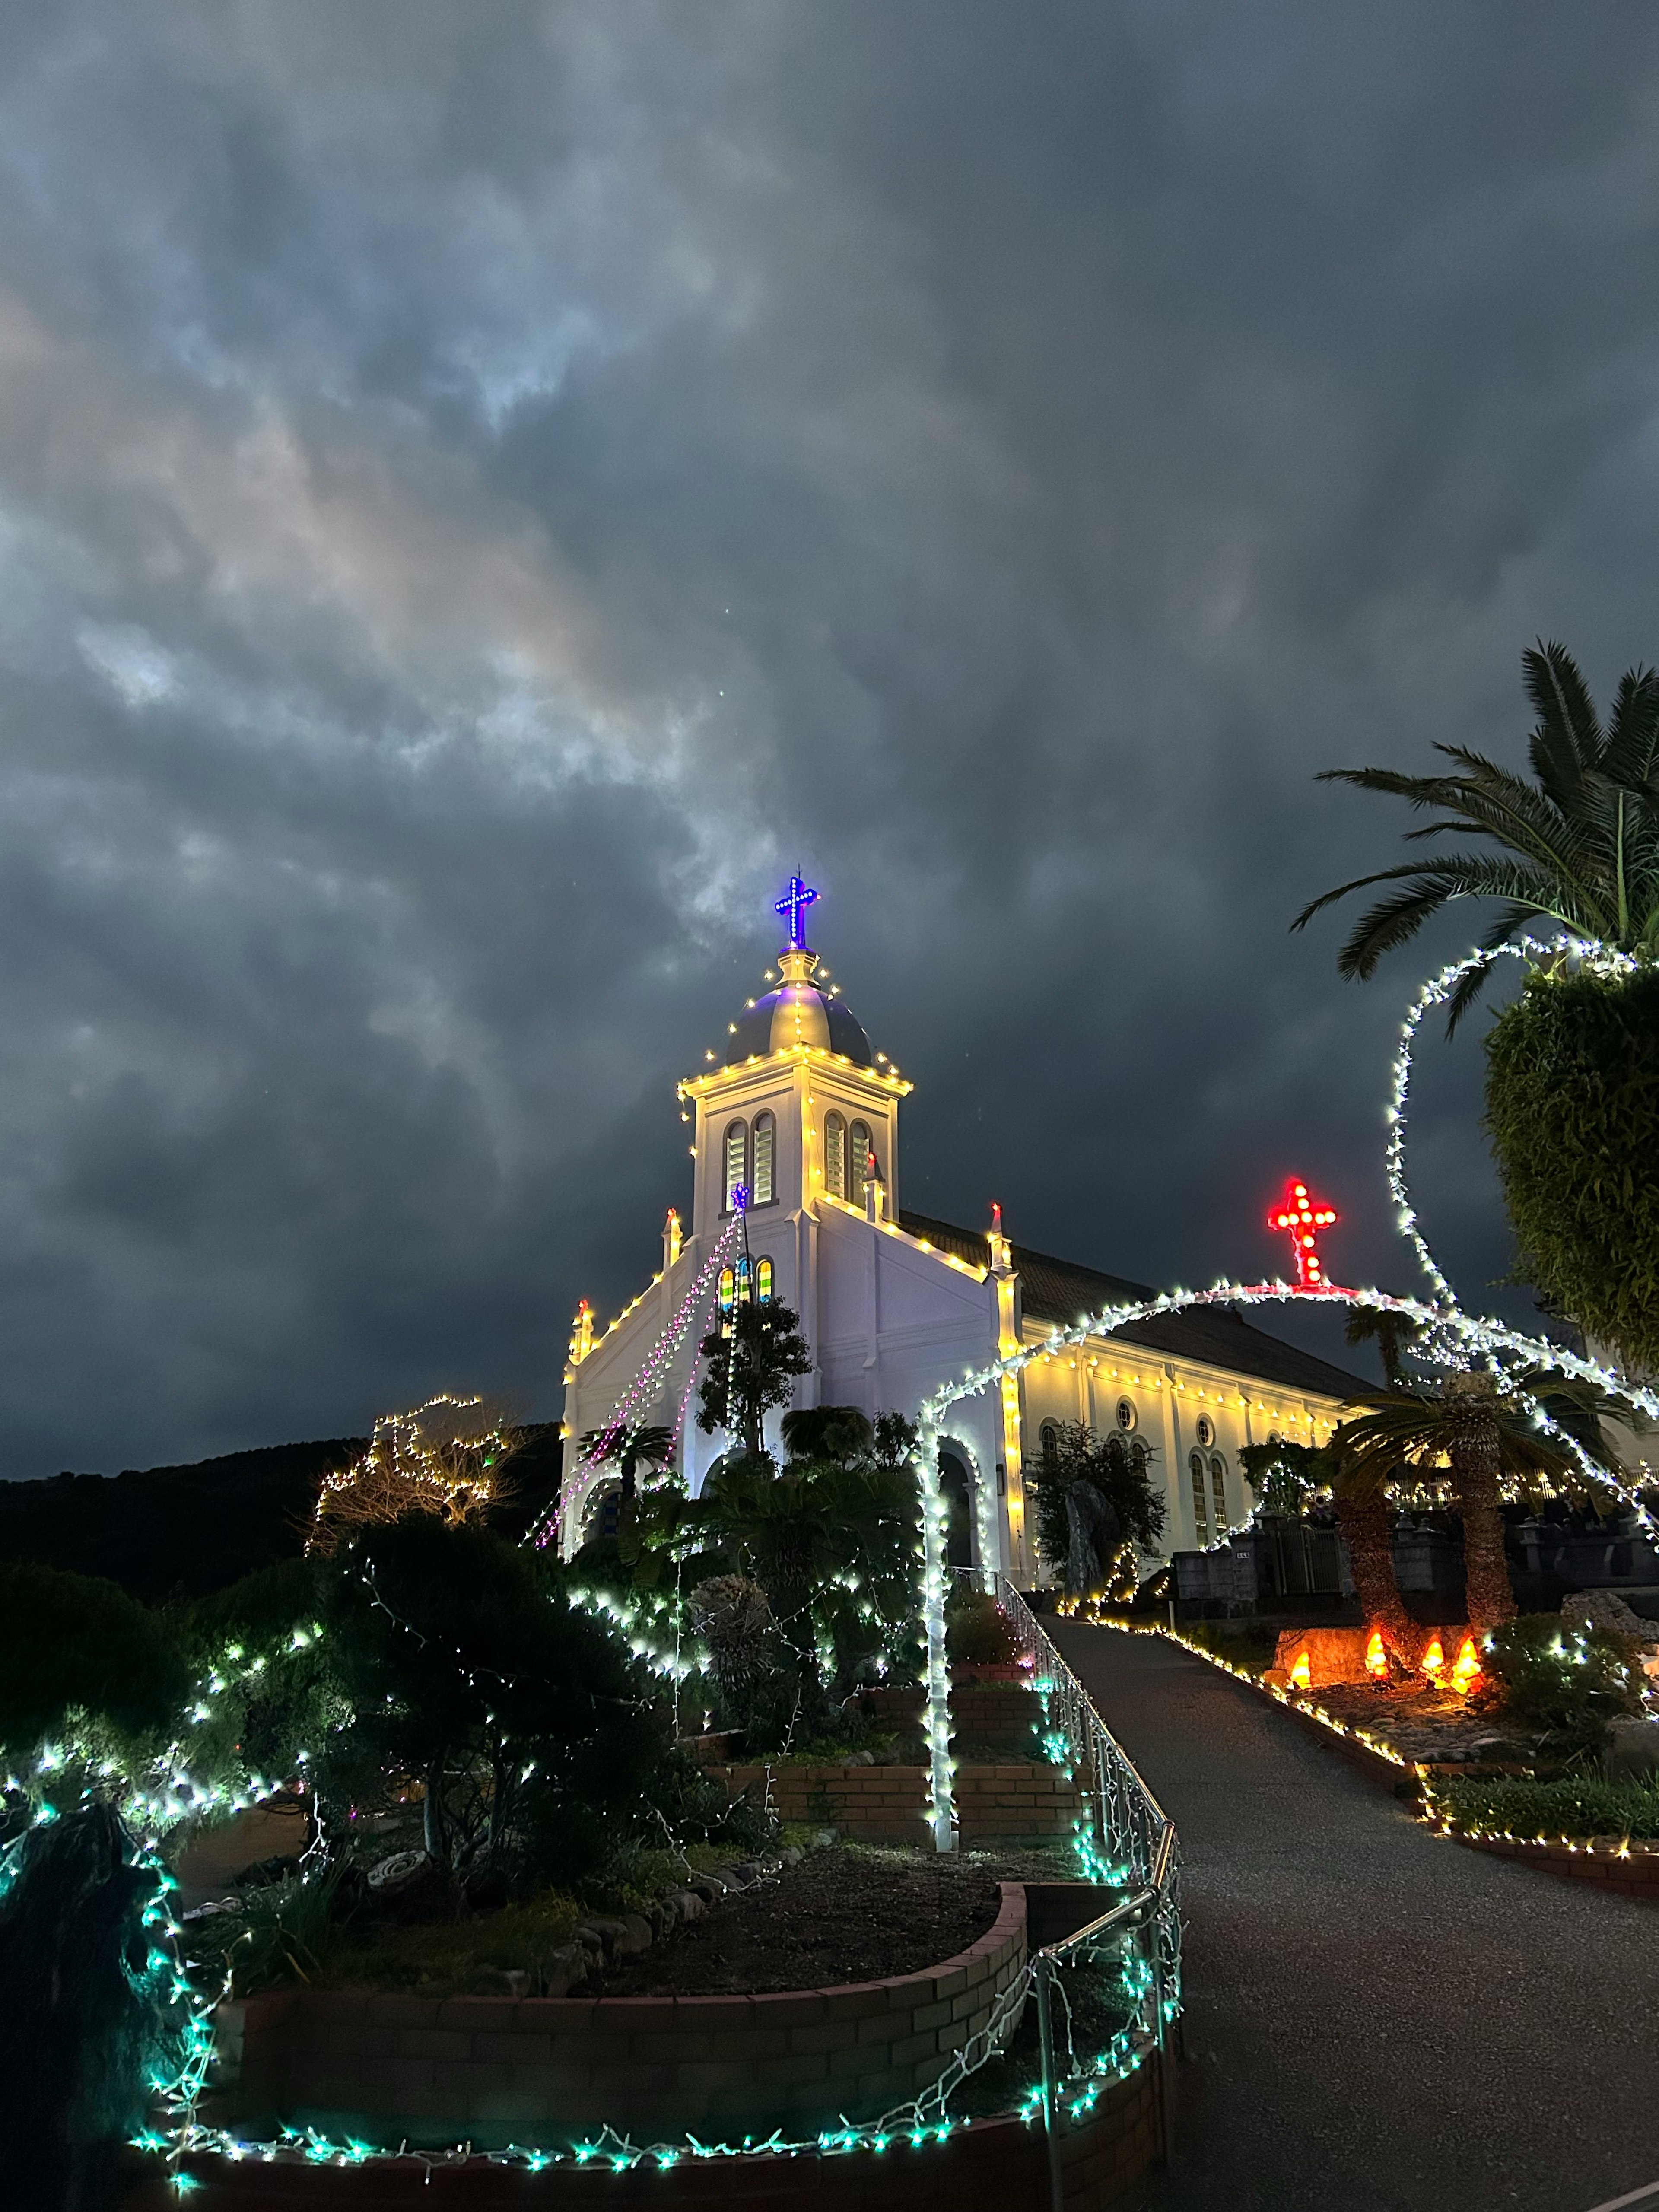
[[485, 492]]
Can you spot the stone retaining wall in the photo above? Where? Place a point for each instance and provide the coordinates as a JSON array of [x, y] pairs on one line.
[[1000, 2162], [554, 2070], [890, 1803]]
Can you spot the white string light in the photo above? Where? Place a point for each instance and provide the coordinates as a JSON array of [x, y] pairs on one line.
[[640, 1394], [1449, 1336]]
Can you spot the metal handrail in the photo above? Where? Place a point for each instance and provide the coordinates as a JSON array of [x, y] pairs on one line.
[[1129, 1833]]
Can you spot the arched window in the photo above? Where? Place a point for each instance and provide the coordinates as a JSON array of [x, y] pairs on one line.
[[1218, 1492], [765, 1144], [1049, 1437], [858, 1161], [835, 1155], [728, 1298], [1200, 1499], [745, 1274], [737, 1160], [763, 1281]]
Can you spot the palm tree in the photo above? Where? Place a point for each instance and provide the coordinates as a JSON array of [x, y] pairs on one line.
[[1364, 1514], [634, 1445], [1393, 1334], [1291, 1475], [1481, 1432], [1578, 845]]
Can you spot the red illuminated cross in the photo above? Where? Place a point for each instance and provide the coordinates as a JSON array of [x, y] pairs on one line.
[[1303, 1218]]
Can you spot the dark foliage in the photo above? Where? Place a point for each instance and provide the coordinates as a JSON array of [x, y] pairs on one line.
[[750, 1366], [86, 2021], [67, 1641], [692, 1807], [1113, 1466], [977, 1631], [520, 1718], [164, 1532], [173, 1531], [835, 1435], [1572, 1110], [1576, 1806], [1569, 1682]]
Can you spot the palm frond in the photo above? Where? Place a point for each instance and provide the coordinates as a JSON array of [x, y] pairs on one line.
[[1396, 920], [1568, 743], [1632, 754], [1420, 790]]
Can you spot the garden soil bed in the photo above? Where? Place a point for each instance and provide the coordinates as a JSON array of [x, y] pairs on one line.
[[1435, 1726], [849, 1914]]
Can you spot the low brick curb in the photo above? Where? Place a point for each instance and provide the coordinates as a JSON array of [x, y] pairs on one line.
[[493, 2071], [1627, 1868], [1001, 2161]]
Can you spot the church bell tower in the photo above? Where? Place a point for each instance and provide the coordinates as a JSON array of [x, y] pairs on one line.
[[795, 1113]]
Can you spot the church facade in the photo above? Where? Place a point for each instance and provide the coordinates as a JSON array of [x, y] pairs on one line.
[[795, 1129]]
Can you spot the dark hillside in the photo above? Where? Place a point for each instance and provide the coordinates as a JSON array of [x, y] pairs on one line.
[[164, 1529], [161, 1531]]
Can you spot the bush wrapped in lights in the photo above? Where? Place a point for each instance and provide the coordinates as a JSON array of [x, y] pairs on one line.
[[447, 1458], [1572, 1110], [1569, 1682]]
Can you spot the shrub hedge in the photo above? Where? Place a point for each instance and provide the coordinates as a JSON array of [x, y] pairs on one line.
[[1572, 1112]]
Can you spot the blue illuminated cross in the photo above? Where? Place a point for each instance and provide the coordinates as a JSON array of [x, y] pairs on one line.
[[791, 907]]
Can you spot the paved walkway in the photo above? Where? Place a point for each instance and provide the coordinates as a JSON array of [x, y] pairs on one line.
[[1377, 2021]]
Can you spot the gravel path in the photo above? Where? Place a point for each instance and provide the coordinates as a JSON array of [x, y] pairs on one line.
[[1377, 2021]]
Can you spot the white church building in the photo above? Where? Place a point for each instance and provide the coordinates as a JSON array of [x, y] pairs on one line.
[[799, 1114]]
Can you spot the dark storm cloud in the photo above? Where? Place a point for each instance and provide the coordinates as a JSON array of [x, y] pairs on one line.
[[485, 492]]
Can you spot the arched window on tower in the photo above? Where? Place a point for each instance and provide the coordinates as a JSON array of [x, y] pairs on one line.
[[765, 1131], [1218, 1492], [1048, 1436], [835, 1155], [1200, 1498], [763, 1282], [858, 1161], [737, 1160]]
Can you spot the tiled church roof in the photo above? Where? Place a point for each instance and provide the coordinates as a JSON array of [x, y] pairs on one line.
[[1059, 1291]]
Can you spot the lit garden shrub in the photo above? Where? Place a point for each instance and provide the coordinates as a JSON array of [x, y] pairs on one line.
[[976, 1631], [1569, 1682], [1572, 1109]]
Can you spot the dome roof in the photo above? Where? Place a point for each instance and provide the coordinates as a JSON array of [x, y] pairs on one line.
[[798, 1013]]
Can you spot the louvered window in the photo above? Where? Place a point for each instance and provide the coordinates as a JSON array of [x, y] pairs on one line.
[[1200, 1499], [765, 1144], [858, 1161], [835, 1155], [737, 1160]]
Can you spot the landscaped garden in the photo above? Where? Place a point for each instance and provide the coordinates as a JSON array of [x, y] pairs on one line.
[[433, 1770]]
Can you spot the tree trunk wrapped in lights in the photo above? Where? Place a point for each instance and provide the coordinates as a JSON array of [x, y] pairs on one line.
[[1367, 1526], [1475, 1449]]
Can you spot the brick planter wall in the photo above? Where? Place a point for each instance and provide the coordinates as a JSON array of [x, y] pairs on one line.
[[998, 2162], [1635, 1875], [888, 1803], [553, 2070], [984, 1711]]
